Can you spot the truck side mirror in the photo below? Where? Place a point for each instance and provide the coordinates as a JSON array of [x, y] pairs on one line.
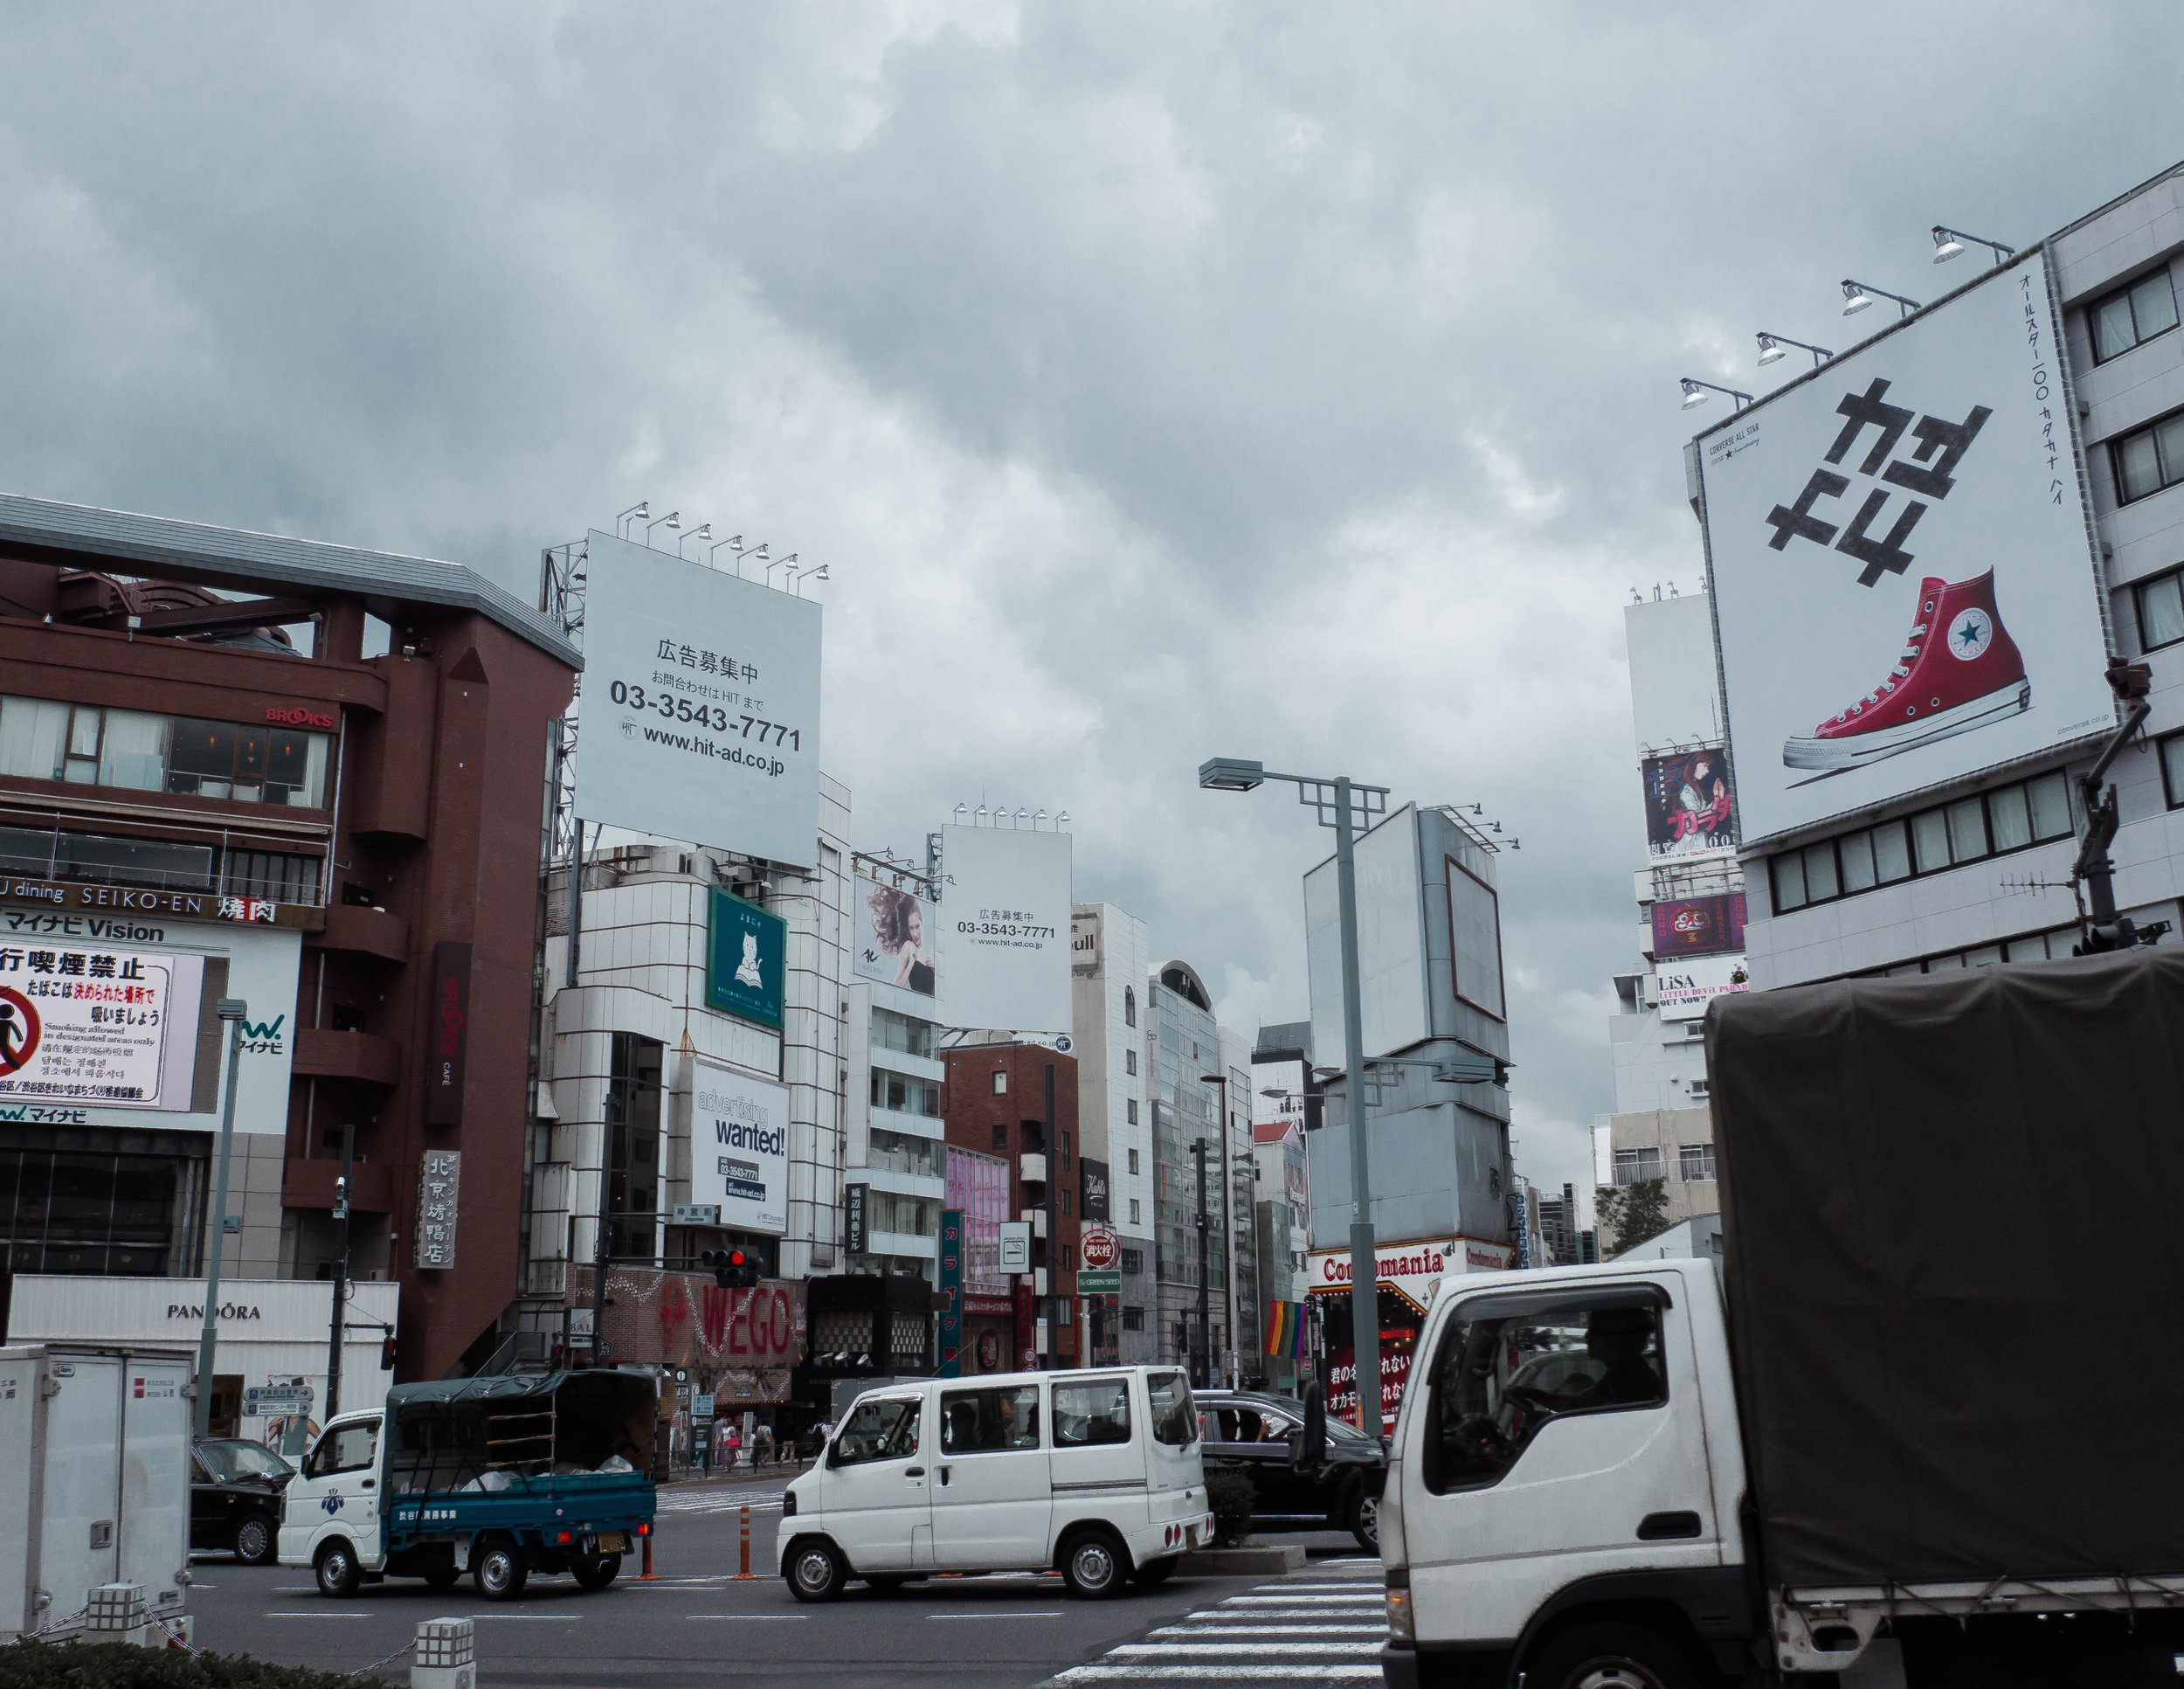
[[1312, 1443]]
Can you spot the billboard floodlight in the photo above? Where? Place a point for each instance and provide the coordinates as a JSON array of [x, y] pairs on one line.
[[1230, 774], [1857, 295], [1695, 393], [1950, 242], [1771, 350]]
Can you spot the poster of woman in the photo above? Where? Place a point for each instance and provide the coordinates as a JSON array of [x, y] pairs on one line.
[[1690, 804], [896, 938]]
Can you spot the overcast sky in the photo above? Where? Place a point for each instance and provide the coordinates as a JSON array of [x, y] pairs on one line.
[[1294, 382]]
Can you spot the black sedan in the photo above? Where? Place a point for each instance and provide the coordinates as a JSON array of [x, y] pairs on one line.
[[1257, 1435], [235, 1495]]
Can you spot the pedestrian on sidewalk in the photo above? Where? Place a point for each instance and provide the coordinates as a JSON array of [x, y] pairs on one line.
[[761, 1444], [729, 1444]]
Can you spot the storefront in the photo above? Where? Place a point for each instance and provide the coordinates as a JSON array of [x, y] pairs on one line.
[[269, 1332], [1408, 1274]]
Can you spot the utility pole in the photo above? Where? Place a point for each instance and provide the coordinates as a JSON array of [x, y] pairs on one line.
[[341, 1275], [1204, 1381], [231, 1010], [1053, 1228]]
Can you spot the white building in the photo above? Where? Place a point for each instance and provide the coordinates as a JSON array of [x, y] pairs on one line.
[[894, 1135], [1110, 959]]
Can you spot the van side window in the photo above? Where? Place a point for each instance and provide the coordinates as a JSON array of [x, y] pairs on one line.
[[1175, 1422], [878, 1430], [346, 1449], [1508, 1366], [1095, 1412], [989, 1421]]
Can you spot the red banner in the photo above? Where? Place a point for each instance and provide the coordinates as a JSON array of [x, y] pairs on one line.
[[742, 1343]]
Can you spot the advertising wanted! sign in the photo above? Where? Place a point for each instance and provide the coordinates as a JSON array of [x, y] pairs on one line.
[[739, 1148]]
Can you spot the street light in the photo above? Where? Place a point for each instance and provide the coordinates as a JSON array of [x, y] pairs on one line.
[[1228, 1241], [1857, 295], [1695, 394], [1948, 243], [1204, 1369], [1771, 350], [1339, 803], [231, 1010]]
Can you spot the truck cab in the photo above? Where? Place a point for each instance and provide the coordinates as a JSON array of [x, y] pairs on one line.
[[1564, 1484]]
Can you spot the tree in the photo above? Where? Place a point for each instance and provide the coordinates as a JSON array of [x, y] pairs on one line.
[[1630, 1213]]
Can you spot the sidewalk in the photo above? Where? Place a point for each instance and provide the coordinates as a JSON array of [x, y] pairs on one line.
[[774, 1472]]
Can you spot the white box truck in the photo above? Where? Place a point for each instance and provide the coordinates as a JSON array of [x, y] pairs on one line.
[[94, 1479], [1922, 1426]]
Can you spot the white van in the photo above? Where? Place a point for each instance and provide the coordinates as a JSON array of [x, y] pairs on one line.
[[1096, 1473]]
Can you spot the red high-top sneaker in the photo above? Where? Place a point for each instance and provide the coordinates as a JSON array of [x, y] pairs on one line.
[[1960, 669]]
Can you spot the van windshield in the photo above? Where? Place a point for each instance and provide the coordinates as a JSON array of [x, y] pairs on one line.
[[1175, 1422]]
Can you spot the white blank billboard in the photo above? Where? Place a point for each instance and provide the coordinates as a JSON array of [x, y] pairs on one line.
[[1902, 576], [1005, 915], [701, 705]]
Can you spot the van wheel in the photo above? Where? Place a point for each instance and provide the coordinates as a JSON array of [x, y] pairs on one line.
[[1094, 1566], [335, 1565], [816, 1572], [255, 1541], [1611, 1657], [499, 1571], [1154, 1573], [1363, 1521]]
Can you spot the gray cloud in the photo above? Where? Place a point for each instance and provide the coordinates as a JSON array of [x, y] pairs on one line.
[[1155, 381]]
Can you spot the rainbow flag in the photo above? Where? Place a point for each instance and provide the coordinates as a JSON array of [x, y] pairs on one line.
[[1286, 1330]]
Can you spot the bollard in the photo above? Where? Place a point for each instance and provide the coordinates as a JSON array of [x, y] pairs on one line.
[[646, 1537], [446, 1655], [746, 1571], [114, 1612]]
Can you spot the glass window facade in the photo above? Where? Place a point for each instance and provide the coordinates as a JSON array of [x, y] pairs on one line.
[[87, 744], [2009, 818], [632, 1119], [84, 1206], [979, 1186]]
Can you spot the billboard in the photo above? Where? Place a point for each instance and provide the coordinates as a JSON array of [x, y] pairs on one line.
[[1682, 989], [896, 934], [1904, 584], [83, 1022], [746, 950], [739, 1148], [1699, 926], [701, 705], [1690, 804], [1008, 925], [1674, 696]]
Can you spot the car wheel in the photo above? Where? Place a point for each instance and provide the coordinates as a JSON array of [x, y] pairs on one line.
[[1611, 1657], [255, 1541], [816, 1572], [499, 1572], [1094, 1566], [335, 1568], [1154, 1573], [596, 1571], [1364, 1521]]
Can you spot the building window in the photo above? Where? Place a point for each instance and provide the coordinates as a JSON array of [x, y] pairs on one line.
[[1133, 1320], [904, 1094], [1129, 1006], [1129, 1062], [1695, 1162], [893, 1031], [900, 1152], [2014, 817], [2130, 314], [2028, 947], [2172, 783], [1001, 1082], [633, 1122], [1631, 1165], [1001, 1136], [1064, 1150], [1134, 1219], [2149, 459], [1133, 1154], [1065, 1200], [86, 744], [910, 1216], [2161, 603]]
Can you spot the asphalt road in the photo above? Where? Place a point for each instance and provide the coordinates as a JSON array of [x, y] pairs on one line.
[[696, 1624]]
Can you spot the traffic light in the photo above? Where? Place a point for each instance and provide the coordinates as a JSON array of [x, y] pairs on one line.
[[386, 1353], [732, 1268]]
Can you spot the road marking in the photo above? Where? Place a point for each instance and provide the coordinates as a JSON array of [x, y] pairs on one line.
[[752, 1619], [1053, 1615], [321, 1613], [1177, 1671], [1372, 1598], [536, 1618], [1189, 1650], [1270, 1631]]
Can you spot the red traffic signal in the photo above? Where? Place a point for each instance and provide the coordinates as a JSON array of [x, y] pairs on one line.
[[732, 1268], [386, 1353]]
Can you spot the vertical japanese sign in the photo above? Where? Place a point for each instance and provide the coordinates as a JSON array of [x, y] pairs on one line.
[[450, 1035], [700, 704], [1904, 581], [438, 1196], [856, 1233], [951, 1245]]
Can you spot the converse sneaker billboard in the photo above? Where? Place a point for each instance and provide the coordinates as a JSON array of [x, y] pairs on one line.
[[1960, 669]]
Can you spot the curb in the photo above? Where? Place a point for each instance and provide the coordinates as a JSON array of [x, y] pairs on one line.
[[1278, 1558]]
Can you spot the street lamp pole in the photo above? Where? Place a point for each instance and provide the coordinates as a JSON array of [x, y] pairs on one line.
[[231, 1010], [1346, 800], [1204, 1369]]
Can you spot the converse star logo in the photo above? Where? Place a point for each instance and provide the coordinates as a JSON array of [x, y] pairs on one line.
[[1970, 634]]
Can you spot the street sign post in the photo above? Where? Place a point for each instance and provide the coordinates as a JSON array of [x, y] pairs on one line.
[[261, 1398]]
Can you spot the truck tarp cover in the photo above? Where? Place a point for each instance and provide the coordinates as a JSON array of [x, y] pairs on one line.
[[1954, 1264]]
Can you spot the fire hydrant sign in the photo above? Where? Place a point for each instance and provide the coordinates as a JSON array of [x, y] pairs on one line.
[[85, 1024]]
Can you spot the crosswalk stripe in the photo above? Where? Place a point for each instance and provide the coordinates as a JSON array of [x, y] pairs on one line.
[[1180, 1672], [1270, 1631], [1371, 1598], [1189, 1650]]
